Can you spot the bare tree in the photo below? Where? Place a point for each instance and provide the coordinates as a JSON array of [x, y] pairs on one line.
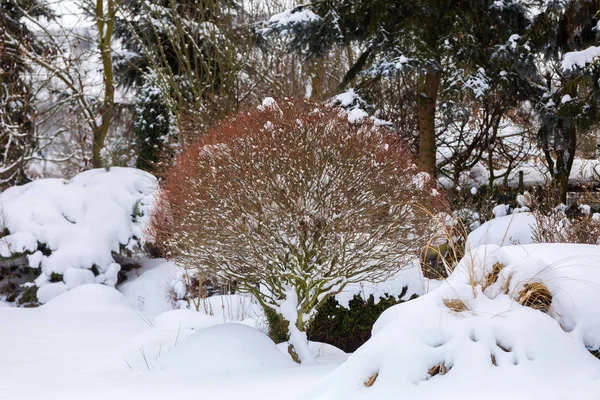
[[105, 21], [294, 203], [65, 93]]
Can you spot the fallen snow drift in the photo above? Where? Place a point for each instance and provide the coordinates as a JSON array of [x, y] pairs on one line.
[[69, 226], [484, 343]]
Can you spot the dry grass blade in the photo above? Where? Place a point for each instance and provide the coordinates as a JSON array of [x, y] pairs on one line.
[[535, 295], [455, 305], [372, 379], [494, 363], [492, 277]]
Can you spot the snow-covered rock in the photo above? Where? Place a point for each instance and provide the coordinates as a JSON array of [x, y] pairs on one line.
[[79, 223]]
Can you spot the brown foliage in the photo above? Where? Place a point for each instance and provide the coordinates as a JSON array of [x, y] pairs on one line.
[[293, 196]]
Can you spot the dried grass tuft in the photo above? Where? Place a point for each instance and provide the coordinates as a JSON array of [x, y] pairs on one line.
[[535, 295], [493, 276], [371, 380], [439, 369], [455, 305], [494, 363]]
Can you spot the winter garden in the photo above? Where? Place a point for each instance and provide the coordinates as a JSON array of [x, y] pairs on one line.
[[268, 199]]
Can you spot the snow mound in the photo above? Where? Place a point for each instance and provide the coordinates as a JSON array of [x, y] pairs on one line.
[[169, 329], [86, 298], [225, 348], [66, 226], [184, 320], [504, 231], [471, 336]]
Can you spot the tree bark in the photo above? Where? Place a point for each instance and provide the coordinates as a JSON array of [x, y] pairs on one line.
[[428, 87], [105, 20]]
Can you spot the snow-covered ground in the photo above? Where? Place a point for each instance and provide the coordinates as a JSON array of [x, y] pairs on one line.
[[471, 336], [92, 343]]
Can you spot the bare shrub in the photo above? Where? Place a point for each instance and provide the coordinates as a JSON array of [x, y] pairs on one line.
[[560, 226], [293, 202]]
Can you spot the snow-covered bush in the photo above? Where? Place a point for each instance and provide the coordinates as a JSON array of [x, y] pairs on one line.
[[295, 203], [64, 233]]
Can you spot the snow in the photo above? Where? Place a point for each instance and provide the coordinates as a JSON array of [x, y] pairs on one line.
[[234, 308], [74, 277], [288, 309], [94, 342], [81, 222], [565, 99], [290, 17], [579, 59], [87, 298], [500, 210], [503, 231], [347, 98], [584, 171], [410, 277], [494, 348], [357, 115], [82, 344], [324, 353], [50, 290], [227, 348], [147, 288]]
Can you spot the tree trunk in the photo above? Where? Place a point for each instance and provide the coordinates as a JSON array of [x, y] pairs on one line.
[[105, 20], [428, 87], [298, 343]]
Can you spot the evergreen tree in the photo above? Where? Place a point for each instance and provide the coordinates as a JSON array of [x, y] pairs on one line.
[[568, 83], [152, 127], [434, 38]]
